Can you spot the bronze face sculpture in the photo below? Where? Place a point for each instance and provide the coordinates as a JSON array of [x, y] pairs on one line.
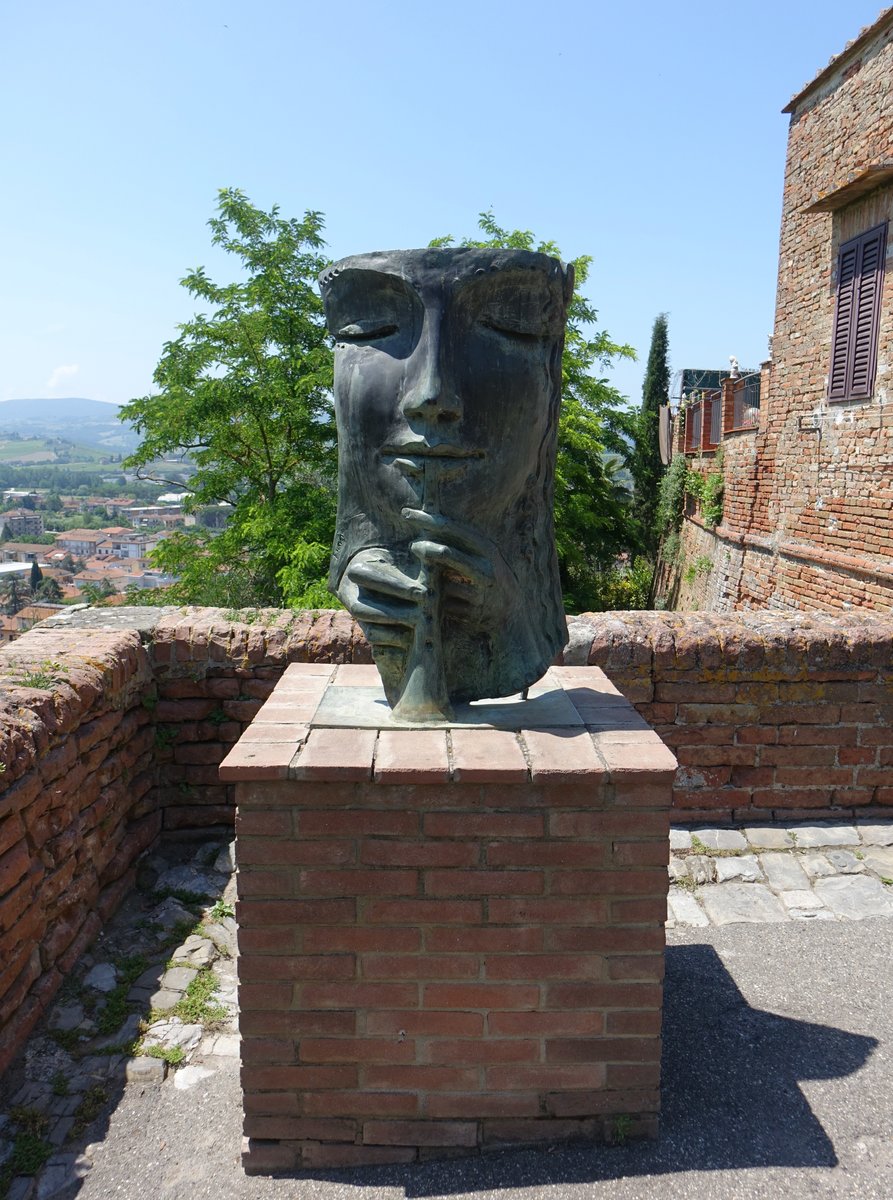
[[447, 391]]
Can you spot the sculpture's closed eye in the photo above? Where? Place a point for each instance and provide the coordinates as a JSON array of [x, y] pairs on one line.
[[366, 331], [511, 330]]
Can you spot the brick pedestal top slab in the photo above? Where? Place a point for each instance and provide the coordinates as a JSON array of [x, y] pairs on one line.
[[450, 938]]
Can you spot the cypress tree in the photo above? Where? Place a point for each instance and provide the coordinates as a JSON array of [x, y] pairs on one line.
[[647, 467]]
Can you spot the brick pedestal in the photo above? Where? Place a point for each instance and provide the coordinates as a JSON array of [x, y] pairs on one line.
[[448, 938]]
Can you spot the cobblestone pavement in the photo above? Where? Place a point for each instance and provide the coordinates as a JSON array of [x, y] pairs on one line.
[[798, 872], [151, 1009]]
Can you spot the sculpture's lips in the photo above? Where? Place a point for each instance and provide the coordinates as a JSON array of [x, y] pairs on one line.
[[430, 450]]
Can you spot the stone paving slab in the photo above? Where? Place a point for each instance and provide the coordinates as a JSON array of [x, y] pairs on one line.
[[797, 872]]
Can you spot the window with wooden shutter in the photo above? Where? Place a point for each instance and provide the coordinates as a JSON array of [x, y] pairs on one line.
[[860, 281]]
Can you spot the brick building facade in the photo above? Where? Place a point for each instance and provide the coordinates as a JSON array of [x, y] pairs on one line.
[[808, 512]]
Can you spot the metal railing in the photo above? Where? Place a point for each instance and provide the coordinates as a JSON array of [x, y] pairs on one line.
[[746, 406], [693, 419]]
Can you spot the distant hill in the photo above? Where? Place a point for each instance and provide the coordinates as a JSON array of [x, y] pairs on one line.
[[86, 422]]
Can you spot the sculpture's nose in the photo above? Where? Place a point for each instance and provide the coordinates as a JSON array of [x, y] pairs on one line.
[[429, 394]]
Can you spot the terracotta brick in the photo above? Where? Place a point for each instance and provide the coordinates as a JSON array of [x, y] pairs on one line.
[[545, 854], [547, 1077], [356, 1049], [547, 911], [545, 1024], [298, 1078], [483, 1104], [487, 756], [540, 967], [425, 912], [299, 1128], [411, 756], [559, 754], [420, 966], [359, 995], [420, 1078], [500, 996], [483, 883], [327, 823], [277, 851], [359, 882], [336, 754], [477, 824], [316, 1155], [335, 938], [361, 1104], [420, 1133], [428, 1023], [459, 1051], [388, 853], [472, 941], [603, 1050]]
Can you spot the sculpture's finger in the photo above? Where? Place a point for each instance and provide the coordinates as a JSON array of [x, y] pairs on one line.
[[384, 578], [473, 567], [382, 636], [444, 529]]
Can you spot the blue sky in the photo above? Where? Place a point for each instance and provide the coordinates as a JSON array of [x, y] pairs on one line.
[[647, 135]]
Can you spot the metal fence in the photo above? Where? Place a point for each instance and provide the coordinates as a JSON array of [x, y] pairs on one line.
[[746, 409]]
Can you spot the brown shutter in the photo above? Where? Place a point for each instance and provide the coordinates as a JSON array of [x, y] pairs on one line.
[[860, 278]]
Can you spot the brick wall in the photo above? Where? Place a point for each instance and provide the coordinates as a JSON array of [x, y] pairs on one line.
[[76, 768], [769, 714], [448, 945], [809, 496]]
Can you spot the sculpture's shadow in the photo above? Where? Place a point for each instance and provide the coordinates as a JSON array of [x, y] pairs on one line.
[[731, 1097]]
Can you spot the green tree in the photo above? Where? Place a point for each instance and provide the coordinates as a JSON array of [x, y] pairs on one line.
[[96, 592], [647, 467], [36, 576], [593, 525], [48, 589], [244, 392], [14, 593]]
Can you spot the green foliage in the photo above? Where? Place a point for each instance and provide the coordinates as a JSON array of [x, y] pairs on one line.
[[245, 393], [95, 593], [627, 587], [680, 481], [220, 910], [593, 520], [647, 467], [129, 969], [91, 1105], [49, 590], [712, 492], [671, 499], [702, 565], [173, 1055], [29, 1153], [197, 1006]]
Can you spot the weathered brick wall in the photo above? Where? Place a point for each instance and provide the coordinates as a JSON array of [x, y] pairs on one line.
[[448, 945], [771, 715], [768, 714], [76, 808], [809, 517]]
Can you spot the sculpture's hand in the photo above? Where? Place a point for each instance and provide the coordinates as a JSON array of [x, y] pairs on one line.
[[380, 596], [475, 575]]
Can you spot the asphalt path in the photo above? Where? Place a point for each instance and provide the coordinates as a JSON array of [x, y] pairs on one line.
[[777, 1083]]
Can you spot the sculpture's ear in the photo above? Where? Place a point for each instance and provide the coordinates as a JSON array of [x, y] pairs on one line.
[[568, 282]]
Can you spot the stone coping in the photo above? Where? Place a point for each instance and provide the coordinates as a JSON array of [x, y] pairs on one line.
[[286, 743]]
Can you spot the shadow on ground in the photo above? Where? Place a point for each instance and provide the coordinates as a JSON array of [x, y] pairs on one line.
[[731, 1097]]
